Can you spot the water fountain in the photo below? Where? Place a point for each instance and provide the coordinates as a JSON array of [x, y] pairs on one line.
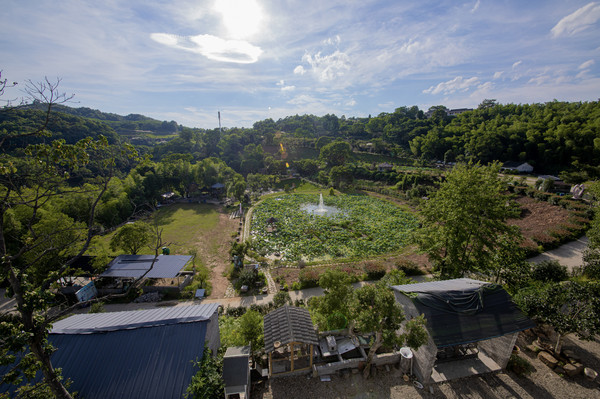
[[321, 209]]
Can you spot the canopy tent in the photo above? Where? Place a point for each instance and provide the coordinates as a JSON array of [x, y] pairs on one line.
[[136, 266]]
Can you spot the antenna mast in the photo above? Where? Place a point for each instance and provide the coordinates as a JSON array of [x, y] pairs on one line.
[[219, 113]]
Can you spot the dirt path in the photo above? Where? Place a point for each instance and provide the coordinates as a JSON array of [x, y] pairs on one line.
[[213, 250], [569, 254]]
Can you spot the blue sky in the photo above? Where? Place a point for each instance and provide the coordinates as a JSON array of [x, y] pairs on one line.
[[254, 59]]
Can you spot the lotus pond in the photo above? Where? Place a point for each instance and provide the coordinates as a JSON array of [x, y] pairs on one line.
[[365, 226]]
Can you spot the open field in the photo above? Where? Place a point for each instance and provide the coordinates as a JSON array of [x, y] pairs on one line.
[[203, 228]]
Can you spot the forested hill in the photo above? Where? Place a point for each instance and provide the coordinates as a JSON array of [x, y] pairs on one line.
[[553, 136], [71, 128], [124, 125]]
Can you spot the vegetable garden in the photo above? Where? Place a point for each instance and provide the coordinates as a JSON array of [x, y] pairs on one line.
[[366, 226]]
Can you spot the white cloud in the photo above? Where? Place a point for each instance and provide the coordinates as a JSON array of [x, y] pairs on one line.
[[451, 86], [332, 40], [516, 64], [303, 99], [350, 103], [212, 47], [498, 74], [476, 6], [299, 70], [328, 67], [577, 21], [284, 87], [586, 64]]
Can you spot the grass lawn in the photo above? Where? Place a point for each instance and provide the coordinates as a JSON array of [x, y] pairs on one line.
[[183, 225]]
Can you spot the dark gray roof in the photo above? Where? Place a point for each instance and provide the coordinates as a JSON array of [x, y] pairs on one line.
[[235, 366], [113, 321], [105, 358], [288, 324], [462, 311], [135, 266]]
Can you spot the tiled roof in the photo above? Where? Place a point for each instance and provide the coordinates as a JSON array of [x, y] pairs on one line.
[[289, 324]]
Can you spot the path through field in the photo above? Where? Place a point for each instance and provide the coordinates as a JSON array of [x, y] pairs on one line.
[[213, 251]]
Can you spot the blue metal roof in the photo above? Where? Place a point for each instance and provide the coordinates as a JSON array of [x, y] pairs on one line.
[[135, 266], [134, 354], [147, 363]]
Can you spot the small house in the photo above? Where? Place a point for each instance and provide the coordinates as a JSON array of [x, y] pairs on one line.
[[236, 372], [521, 167], [473, 326], [290, 340], [384, 167]]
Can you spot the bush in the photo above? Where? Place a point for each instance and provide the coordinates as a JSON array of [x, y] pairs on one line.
[[248, 278], [308, 278], [282, 298], [374, 270], [409, 267], [550, 271], [97, 307], [519, 365]]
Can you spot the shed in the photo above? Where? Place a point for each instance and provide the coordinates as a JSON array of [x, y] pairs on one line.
[[473, 326], [137, 266], [145, 354], [236, 372], [290, 340]]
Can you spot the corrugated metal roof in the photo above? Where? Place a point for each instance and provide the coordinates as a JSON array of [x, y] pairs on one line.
[[106, 358], [148, 363], [288, 324], [112, 321], [135, 266], [458, 284]]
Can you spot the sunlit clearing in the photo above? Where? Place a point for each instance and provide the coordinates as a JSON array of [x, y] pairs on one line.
[[241, 17]]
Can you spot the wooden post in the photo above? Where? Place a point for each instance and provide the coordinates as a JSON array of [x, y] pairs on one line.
[[270, 364], [292, 354], [311, 355]]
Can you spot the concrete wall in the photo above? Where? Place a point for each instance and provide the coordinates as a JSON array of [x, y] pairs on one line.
[[499, 349], [213, 336], [423, 358]]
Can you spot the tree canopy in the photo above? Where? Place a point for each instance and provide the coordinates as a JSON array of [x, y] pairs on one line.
[[464, 222]]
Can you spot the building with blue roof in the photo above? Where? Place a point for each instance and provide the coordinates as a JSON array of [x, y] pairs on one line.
[[134, 354]]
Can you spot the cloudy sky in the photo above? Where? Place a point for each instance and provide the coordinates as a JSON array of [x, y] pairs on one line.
[[254, 59]]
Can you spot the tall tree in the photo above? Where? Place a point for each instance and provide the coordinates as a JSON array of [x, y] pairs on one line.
[[336, 153], [464, 222], [568, 306], [39, 244], [374, 309], [131, 237]]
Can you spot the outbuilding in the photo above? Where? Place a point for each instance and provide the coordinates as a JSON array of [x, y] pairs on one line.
[[473, 326], [145, 354], [290, 340]]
